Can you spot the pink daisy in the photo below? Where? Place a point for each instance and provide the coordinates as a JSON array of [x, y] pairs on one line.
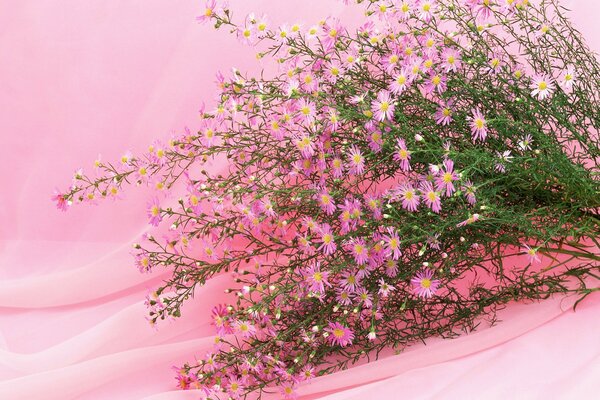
[[478, 125], [315, 278], [451, 59], [339, 335], [61, 202], [425, 286], [532, 254], [350, 281], [409, 196], [326, 202], [383, 107], [359, 250], [542, 86], [568, 77], [392, 244], [444, 181], [443, 115], [356, 161], [306, 110], [401, 81], [435, 83], [209, 10], [363, 296], [402, 155], [337, 167], [430, 196], [154, 212], [327, 240]]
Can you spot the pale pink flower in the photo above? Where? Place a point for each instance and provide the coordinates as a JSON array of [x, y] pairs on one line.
[[306, 110], [451, 60], [525, 143], [326, 202], [478, 125], [383, 107], [209, 11], [424, 285], [542, 86], [327, 240], [363, 296], [402, 154], [359, 250], [154, 212], [568, 78], [356, 161], [532, 254], [245, 328], [443, 115], [350, 281], [444, 180], [385, 288], [425, 9], [392, 244], [315, 278], [401, 82], [435, 83], [61, 202], [430, 196]]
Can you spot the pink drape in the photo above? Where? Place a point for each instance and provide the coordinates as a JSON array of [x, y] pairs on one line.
[[79, 78]]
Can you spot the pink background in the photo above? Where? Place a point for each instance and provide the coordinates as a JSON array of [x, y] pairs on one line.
[[83, 77]]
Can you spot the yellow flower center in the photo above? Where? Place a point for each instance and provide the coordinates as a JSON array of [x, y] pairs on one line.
[[317, 276], [542, 85], [338, 333], [447, 178], [479, 123], [426, 283], [384, 106]]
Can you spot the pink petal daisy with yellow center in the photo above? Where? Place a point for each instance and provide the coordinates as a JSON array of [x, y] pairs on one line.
[[478, 125], [339, 335], [424, 285], [542, 86]]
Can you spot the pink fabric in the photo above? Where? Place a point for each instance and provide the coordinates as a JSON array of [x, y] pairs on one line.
[[79, 78]]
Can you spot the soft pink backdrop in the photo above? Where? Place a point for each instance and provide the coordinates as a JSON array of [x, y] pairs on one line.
[[83, 77]]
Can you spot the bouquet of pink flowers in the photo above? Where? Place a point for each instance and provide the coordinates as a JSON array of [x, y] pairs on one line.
[[378, 189]]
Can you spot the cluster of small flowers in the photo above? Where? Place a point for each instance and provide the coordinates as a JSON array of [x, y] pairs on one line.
[[327, 182]]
